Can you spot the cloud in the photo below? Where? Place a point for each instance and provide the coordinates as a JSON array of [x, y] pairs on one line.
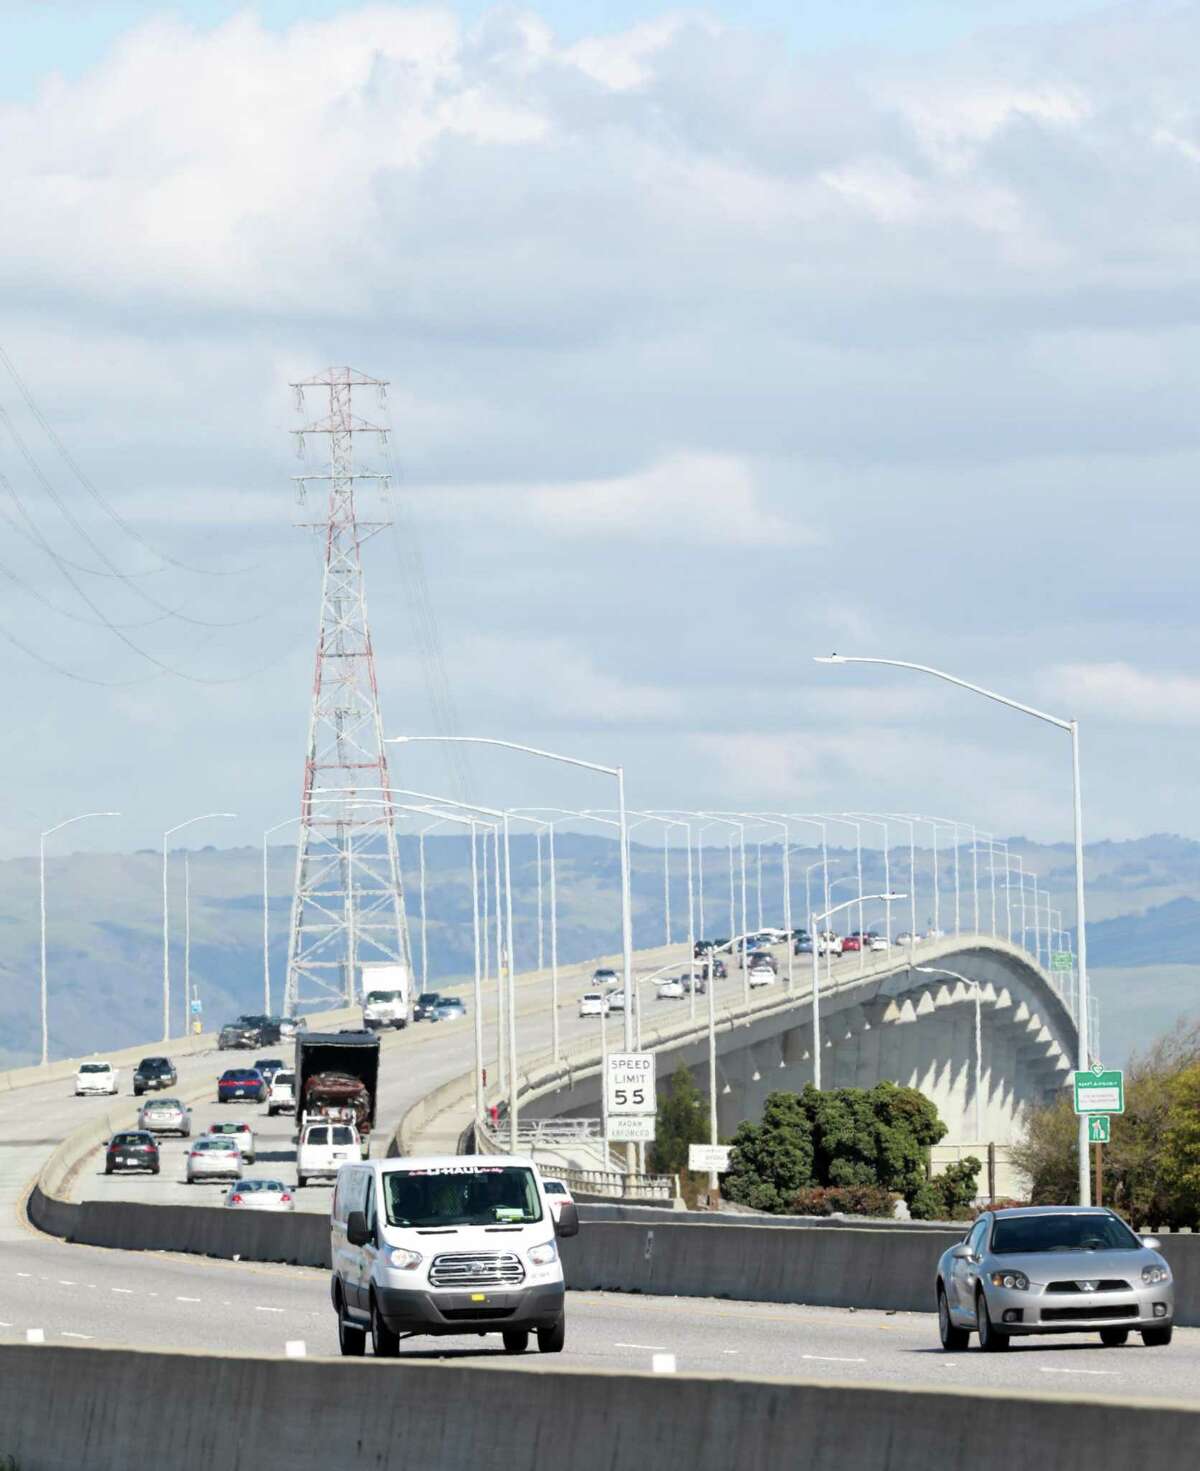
[[1126, 694], [688, 497]]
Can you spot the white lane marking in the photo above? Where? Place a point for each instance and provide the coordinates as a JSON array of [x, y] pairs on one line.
[[61, 1283], [5, 1325], [1108, 1373], [66, 1333], [24, 1274], [831, 1359], [650, 1347], [295, 1348], [730, 1350], [128, 1291], [35, 1335], [257, 1309], [663, 1364], [187, 1299]]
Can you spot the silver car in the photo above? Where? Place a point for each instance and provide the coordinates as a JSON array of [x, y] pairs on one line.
[[1053, 1269], [259, 1195], [166, 1116], [214, 1158]]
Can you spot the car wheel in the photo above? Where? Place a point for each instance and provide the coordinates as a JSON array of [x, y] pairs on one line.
[[990, 1341], [155, 1170], [516, 1340], [1114, 1337], [384, 1343], [300, 1182], [1156, 1337], [551, 1340], [108, 1169], [352, 1341], [954, 1339]]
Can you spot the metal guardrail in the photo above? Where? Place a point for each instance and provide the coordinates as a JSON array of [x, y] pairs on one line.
[[618, 1185]]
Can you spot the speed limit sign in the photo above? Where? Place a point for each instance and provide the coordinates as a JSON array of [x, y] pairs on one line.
[[629, 1087]]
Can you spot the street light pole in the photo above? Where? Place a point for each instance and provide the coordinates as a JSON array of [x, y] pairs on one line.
[[1071, 726], [45, 997], [815, 921], [166, 932]]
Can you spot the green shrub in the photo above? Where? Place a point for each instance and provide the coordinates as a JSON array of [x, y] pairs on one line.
[[848, 1200]]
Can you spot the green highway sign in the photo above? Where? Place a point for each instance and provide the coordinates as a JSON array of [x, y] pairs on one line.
[[1100, 1091], [1098, 1128], [1062, 960]]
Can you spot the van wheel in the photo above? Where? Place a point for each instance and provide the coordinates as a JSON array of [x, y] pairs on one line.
[[352, 1341], [516, 1340], [384, 1343], [551, 1340]]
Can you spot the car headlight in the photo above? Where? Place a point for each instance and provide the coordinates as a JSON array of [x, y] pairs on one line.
[[402, 1258], [1150, 1275], [1018, 1281], [542, 1256]]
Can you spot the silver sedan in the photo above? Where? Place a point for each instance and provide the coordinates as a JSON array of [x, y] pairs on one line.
[[259, 1195], [1053, 1269]]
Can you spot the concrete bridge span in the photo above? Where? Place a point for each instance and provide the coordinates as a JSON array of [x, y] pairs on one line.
[[887, 1020]]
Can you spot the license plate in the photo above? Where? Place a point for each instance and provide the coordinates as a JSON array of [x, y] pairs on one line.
[[121, 1160]]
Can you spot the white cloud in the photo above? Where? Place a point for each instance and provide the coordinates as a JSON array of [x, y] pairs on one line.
[[689, 497], [1124, 693]]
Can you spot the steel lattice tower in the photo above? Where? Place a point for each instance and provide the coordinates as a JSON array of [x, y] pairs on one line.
[[348, 902]]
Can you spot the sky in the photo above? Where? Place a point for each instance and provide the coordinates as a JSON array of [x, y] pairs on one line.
[[716, 339]]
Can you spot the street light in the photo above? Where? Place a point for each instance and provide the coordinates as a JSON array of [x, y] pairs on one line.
[[66, 822], [179, 826], [618, 772], [1072, 728], [934, 970], [814, 921], [266, 913]]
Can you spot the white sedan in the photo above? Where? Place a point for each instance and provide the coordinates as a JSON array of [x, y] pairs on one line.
[[259, 1195], [97, 1077], [241, 1134], [671, 989], [592, 1003], [557, 1195], [760, 975]]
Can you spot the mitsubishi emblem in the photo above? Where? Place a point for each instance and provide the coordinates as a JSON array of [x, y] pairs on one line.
[[1087, 1286]]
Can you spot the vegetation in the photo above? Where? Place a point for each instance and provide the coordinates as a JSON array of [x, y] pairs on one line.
[[1152, 1165], [846, 1149], [682, 1121]]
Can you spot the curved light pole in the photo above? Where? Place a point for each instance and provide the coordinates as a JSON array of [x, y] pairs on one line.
[[266, 913], [58, 826], [814, 921], [857, 826], [166, 933], [887, 868], [934, 970], [1072, 729]]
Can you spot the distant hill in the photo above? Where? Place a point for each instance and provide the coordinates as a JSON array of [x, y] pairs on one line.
[[105, 937]]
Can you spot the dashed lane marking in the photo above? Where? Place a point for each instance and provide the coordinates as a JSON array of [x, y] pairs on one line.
[[831, 1359], [126, 1291], [66, 1333], [654, 1348], [1108, 1373], [187, 1299], [258, 1309]]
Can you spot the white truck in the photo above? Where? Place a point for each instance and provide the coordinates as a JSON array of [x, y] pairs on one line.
[[387, 995]]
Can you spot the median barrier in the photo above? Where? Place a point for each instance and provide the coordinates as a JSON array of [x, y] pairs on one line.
[[84, 1406]]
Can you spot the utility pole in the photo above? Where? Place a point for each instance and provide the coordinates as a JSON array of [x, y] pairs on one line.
[[348, 901]]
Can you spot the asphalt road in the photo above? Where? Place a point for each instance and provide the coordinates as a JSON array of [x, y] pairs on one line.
[[85, 1294]]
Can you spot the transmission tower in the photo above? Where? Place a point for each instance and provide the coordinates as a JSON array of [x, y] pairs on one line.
[[348, 901]]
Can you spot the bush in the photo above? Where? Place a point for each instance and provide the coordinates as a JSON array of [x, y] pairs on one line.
[[949, 1196], [682, 1121], [848, 1200]]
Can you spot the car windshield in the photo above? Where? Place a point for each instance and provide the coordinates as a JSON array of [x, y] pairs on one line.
[[95, 1067], [427, 998], [283, 1080], [462, 1195], [250, 1185], [212, 1142], [123, 1141], [162, 1105], [552, 1187], [1012, 1235]]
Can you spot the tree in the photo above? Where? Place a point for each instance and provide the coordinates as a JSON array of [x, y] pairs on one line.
[[772, 1160], [1181, 1149], [682, 1121]]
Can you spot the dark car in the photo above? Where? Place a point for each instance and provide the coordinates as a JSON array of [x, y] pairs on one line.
[[267, 1029], [153, 1073], [426, 1004], [241, 1082], [803, 945], [134, 1149], [269, 1066], [235, 1035]]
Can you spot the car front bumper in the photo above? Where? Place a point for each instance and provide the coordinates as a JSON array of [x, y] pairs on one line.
[[427, 1310], [1037, 1311]]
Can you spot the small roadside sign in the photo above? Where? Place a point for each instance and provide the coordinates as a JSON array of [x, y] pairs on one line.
[[1100, 1091], [629, 1086], [1062, 960], [1098, 1127], [711, 1157], [197, 1007], [631, 1129]]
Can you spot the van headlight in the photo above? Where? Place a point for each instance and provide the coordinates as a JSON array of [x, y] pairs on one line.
[[401, 1257], [1150, 1275], [542, 1256], [1018, 1281]]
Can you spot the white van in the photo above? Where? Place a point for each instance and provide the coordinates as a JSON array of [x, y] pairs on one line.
[[452, 1244], [323, 1147]]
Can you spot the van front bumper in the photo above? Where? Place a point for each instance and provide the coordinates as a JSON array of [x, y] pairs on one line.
[[424, 1310]]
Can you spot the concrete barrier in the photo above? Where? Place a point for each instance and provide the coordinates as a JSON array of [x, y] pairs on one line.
[[92, 1407]]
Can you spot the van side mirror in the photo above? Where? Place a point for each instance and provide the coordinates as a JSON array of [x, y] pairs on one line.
[[356, 1229], [568, 1220]]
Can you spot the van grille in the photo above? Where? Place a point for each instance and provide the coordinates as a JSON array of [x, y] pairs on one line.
[[477, 1269]]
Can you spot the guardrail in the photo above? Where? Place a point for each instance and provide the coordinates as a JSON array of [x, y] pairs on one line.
[[614, 1185]]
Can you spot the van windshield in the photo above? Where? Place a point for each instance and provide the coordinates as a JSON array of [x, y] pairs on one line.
[[383, 997], [462, 1195]]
